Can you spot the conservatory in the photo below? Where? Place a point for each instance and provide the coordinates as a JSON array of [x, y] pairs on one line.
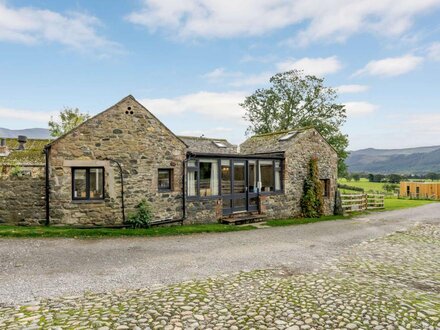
[[237, 179]]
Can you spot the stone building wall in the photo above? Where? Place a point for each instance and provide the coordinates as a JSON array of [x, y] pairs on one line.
[[297, 157], [22, 198], [130, 134], [203, 211]]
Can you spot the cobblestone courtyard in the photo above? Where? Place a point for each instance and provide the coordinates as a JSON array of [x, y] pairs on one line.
[[391, 282]]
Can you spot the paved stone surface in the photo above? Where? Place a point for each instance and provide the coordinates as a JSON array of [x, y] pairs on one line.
[[37, 268], [391, 282]]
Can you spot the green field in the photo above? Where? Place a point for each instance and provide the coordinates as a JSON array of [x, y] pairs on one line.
[[396, 204], [365, 184]]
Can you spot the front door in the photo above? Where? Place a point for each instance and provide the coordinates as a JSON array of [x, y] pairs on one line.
[[238, 182], [239, 186]]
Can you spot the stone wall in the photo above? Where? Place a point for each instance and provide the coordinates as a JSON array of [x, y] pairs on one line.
[[307, 144], [22, 200], [130, 134], [203, 211]]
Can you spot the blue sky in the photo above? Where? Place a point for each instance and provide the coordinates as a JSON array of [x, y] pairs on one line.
[[191, 62]]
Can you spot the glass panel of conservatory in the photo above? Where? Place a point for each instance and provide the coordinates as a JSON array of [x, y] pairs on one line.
[[226, 177], [277, 175], [267, 175], [252, 184], [239, 178], [209, 177], [192, 179]]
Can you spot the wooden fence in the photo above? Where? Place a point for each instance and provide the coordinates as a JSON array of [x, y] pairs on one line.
[[362, 202]]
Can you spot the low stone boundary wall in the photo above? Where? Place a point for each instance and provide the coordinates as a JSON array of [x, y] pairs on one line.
[[22, 200]]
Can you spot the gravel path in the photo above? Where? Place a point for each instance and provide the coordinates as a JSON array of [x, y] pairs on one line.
[[36, 268]]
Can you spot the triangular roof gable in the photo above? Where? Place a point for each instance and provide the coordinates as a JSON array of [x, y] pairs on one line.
[[129, 97]]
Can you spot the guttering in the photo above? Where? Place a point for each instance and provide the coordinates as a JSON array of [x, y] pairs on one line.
[[275, 155], [47, 187]]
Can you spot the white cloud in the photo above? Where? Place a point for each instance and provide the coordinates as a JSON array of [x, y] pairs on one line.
[[332, 20], [215, 105], [434, 51], [34, 116], [28, 25], [314, 66], [426, 123], [252, 80], [360, 108], [392, 66], [348, 89], [220, 74], [217, 132]]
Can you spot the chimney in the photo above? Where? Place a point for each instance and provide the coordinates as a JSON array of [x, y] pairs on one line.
[[4, 150], [21, 140]]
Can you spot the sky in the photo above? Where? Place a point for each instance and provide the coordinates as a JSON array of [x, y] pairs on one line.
[[191, 62]]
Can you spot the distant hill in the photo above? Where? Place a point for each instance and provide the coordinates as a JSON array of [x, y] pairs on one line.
[[405, 161], [31, 133]]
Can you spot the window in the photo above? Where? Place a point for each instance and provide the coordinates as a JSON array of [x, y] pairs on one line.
[[288, 136], [208, 177], [203, 177], [252, 184], [267, 176], [192, 178], [408, 191], [88, 183], [219, 144], [277, 175], [165, 179], [226, 177], [325, 187]]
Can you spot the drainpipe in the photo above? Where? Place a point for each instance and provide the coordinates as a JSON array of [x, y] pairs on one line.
[[122, 186], [47, 187], [184, 190]]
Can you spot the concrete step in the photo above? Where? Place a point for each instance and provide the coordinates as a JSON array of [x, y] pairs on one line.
[[243, 219]]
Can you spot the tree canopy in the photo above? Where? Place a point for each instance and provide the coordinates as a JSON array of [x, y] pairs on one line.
[[295, 100], [69, 119]]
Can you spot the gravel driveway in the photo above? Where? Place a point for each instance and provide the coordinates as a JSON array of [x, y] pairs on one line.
[[35, 268]]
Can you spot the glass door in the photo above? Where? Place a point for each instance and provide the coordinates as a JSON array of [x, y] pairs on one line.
[[239, 186], [252, 186], [226, 185]]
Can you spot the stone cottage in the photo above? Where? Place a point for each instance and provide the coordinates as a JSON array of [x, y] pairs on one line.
[[97, 173]]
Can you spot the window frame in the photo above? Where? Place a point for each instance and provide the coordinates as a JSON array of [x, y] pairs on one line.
[[170, 179], [87, 169], [195, 167], [326, 187], [274, 169]]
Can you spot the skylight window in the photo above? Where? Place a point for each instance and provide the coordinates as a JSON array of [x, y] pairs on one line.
[[219, 144], [288, 136]]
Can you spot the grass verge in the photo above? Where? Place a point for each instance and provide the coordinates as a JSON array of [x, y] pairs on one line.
[[34, 231], [303, 221], [397, 204], [66, 232]]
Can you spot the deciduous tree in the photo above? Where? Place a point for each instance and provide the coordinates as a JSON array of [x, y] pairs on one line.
[[69, 119], [295, 100]]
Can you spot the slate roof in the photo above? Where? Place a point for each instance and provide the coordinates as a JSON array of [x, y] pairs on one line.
[[208, 145], [32, 154], [271, 142]]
